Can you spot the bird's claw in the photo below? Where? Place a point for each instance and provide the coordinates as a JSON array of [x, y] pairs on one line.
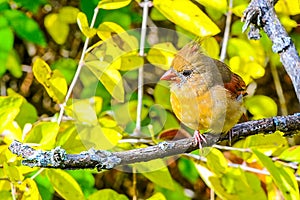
[[199, 138]]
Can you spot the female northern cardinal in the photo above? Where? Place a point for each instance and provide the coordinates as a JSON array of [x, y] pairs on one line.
[[205, 94]]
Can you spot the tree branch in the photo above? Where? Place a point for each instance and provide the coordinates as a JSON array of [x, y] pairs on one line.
[[100, 159], [261, 14]]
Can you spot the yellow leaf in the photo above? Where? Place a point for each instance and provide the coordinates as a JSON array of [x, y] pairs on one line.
[[239, 9], [84, 25], [43, 133], [288, 23], [31, 190], [83, 111], [113, 4], [211, 47], [288, 7], [68, 14], [98, 137], [106, 194], [131, 61], [220, 5], [53, 81], [64, 184], [157, 172], [261, 106], [109, 77], [107, 30], [161, 55], [187, 15], [58, 29]]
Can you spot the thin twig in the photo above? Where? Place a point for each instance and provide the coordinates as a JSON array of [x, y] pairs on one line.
[[279, 90], [137, 131], [227, 148], [135, 194], [13, 191], [37, 173], [77, 73], [226, 32]]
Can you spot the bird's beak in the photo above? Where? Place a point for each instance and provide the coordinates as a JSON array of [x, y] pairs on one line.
[[169, 75]]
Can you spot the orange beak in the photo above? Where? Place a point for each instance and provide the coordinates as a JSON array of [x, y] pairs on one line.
[[169, 75]]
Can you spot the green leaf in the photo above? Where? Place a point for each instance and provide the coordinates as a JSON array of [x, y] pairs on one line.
[[188, 169], [162, 95], [6, 32], [27, 114], [45, 187], [13, 64], [109, 77], [157, 196], [157, 172], [43, 133], [177, 193], [85, 179], [10, 108], [291, 154], [107, 194], [187, 15], [216, 162], [113, 4], [156, 15], [31, 5], [124, 19], [283, 177], [6, 45], [84, 25], [269, 144], [64, 184], [53, 81], [25, 27], [261, 106], [162, 55], [67, 67]]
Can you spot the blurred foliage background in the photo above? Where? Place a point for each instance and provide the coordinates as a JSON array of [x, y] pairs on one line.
[[41, 43]]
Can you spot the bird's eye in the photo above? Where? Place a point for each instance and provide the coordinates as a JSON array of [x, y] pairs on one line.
[[186, 72]]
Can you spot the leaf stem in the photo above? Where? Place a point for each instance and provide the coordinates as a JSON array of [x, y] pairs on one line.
[[226, 32], [77, 73]]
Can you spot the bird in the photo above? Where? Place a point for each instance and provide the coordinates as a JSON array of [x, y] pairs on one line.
[[205, 94]]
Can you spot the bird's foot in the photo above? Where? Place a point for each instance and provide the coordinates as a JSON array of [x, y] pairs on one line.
[[229, 138], [199, 138]]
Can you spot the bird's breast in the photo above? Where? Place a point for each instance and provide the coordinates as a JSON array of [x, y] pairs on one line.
[[205, 108]]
